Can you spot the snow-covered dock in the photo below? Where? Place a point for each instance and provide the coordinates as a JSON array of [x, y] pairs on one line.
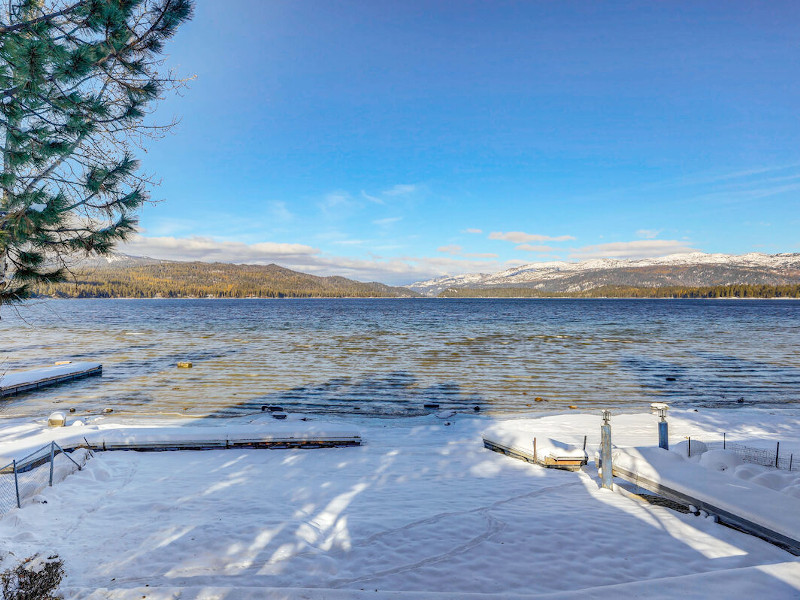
[[186, 436], [745, 505], [297, 439], [23, 381], [542, 451]]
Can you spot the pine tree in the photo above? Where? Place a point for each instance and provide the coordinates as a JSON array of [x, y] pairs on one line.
[[77, 79]]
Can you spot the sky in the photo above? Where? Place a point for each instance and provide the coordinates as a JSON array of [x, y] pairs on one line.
[[401, 140]]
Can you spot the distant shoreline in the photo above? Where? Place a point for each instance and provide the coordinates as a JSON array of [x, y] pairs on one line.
[[730, 298]]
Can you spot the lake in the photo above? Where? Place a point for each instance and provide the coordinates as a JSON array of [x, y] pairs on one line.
[[389, 357]]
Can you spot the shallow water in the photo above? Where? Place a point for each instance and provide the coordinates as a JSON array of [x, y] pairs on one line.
[[390, 357]]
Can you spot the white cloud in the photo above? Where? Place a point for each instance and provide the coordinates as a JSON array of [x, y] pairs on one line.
[[210, 250], [530, 248], [337, 198], [520, 237], [349, 242], [386, 221], [635, 249], [279, 211], [307, 259], [372, 198], [472, 231], [396, 191], [453, 249], [648, 234], [457, 250], [400, 190]]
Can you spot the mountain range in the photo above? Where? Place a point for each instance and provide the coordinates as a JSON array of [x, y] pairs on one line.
[[123, 276], [119, 275], [696, 269]]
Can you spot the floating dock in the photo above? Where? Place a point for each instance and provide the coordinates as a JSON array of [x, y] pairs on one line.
[[24, 381], [739, 503], [544, 452]]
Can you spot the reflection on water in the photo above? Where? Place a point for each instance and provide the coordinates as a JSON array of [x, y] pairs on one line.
[[390, 357]]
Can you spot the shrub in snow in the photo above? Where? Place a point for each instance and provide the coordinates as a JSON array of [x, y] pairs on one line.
[[774, 480], [748, 471], [792, 490], [719, 460], [682, 448], [35, 577]]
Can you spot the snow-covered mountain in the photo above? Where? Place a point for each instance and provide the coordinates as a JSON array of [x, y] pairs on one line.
[[691, 269], [118, 260]]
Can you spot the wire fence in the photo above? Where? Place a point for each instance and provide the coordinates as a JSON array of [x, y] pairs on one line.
[[767, 457], [23, 479]]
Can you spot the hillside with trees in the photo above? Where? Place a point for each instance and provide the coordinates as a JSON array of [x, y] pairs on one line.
[[167, 279], [717, 291]]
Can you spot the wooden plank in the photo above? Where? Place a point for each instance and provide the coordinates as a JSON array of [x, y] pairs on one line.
[[728, 518], [38, 378]]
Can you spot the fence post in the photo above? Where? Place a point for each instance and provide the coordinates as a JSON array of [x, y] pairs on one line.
[[791, 456], [16, 484], [605, 451], [52, 452], [723, 441], [690, 446], [777, 453]]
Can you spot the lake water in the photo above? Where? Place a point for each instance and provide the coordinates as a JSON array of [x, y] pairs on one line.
[[390, 357]]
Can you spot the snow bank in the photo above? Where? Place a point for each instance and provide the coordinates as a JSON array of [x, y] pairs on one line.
[[742, 498]]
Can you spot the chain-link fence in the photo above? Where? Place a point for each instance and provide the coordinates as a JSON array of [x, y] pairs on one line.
[[768, 457], [24, 478], [761, 456]]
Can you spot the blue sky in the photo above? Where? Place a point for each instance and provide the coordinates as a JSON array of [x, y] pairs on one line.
[[397, 141]]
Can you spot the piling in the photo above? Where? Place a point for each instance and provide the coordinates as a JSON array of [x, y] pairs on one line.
[[605, 451]]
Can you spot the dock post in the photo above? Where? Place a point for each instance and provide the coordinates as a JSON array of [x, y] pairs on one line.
[[605, 451], [663, 426], [52, 456]]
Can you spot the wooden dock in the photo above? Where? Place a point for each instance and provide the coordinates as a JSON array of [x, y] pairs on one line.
[[24, 381], [752, 509]]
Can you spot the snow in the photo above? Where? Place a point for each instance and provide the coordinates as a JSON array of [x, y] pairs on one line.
[[720, 460], [99, 432], [421, 510], [746, 499], [521, 439], [547, 271], [21, 378]]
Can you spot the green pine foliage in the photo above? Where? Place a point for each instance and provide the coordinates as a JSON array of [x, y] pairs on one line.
[[216, 280], [77, 79]]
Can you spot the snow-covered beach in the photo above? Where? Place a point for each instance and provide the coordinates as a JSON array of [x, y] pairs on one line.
[[421, 510]]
